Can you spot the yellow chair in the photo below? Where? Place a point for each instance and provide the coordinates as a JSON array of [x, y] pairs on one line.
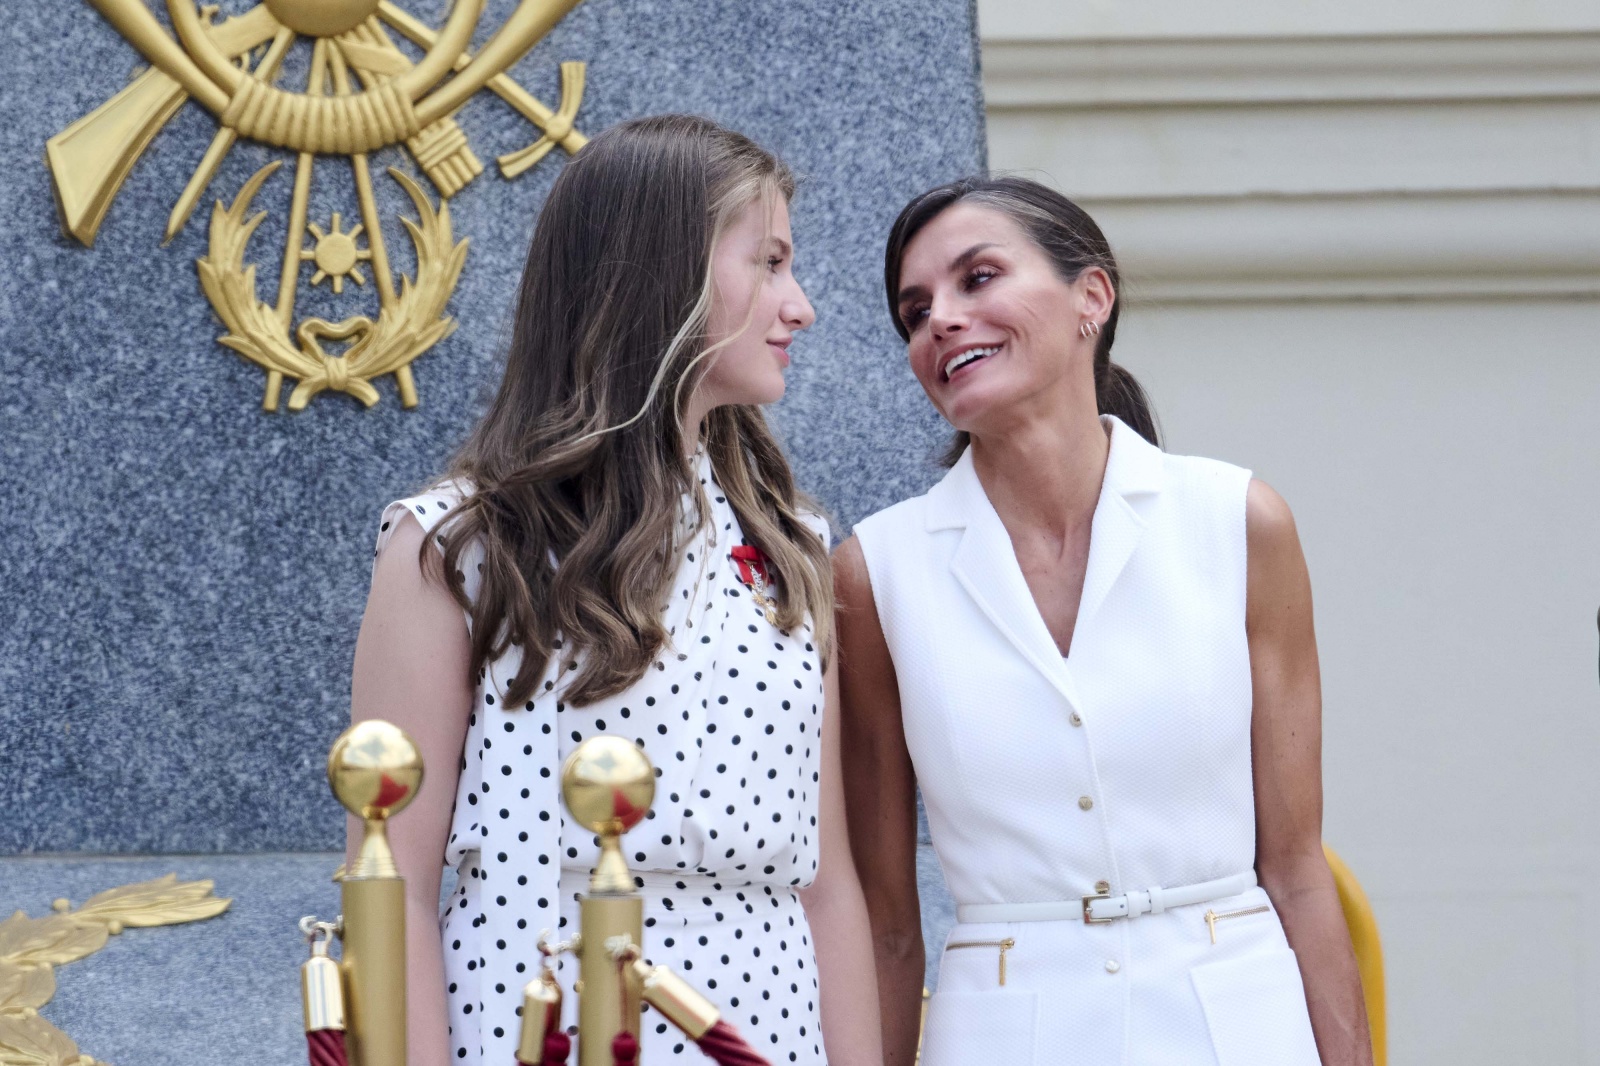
[[1369, 956], [1369, 951]]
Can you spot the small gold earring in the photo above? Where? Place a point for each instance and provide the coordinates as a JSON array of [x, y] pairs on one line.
[[1090, 328]]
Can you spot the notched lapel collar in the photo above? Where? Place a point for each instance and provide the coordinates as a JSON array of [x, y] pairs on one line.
[[1132, 480], [985, 565], [950, 499]]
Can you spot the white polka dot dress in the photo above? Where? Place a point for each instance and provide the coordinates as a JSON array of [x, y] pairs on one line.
[[730, 714]]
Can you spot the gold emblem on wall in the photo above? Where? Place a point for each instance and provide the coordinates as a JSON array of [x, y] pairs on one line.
[[31, 948], [362, 93]]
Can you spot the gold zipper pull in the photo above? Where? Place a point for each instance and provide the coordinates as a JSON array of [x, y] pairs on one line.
[[1212, 917], [1004, 945]]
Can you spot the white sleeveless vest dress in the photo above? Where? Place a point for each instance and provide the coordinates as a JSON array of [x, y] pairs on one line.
[[1122, 771], [730, 715]]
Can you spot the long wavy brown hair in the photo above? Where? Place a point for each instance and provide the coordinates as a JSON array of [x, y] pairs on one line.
[[578, 470]]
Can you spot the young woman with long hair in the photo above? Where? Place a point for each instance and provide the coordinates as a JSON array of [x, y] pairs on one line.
[[1097, 661], [619, 547]]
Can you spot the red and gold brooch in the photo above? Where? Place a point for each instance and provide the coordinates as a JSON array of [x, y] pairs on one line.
[[752, 564]]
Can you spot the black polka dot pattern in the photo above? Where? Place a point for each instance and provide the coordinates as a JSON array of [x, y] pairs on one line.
[[731, 716]]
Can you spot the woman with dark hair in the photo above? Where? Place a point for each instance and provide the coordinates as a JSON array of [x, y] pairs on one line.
[[1097, 662], [619, 547]]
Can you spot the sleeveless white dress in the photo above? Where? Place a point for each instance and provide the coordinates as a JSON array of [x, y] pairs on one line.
[[730, 715], [1124, 767]]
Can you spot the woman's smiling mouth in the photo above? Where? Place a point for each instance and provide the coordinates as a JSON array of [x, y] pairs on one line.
[[966, 357]]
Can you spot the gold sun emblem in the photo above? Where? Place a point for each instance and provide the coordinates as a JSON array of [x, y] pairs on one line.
[[336, 254]]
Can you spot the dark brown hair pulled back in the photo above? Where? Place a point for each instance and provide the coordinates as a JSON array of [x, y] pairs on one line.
[[577, 473], [1063, 231]]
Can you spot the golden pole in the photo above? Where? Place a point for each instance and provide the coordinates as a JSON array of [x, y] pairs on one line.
[[608, 785], [375, 770]]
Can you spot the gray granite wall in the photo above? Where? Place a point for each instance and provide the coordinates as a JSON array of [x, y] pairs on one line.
[[183, 574]]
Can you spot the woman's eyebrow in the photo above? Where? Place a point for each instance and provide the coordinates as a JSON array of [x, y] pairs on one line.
[[970, 254], [911, 292]]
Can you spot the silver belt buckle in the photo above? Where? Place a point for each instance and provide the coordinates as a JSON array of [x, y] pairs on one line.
[[1088, 916]]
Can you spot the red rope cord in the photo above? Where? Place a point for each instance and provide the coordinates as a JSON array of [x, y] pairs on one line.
[[325, 1047], [726, 1047]]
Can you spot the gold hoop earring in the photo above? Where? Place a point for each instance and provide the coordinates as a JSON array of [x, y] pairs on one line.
[[1090, 328]]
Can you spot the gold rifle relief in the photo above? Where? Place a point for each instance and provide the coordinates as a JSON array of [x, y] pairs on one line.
[[1212, 917], [1004, 945]]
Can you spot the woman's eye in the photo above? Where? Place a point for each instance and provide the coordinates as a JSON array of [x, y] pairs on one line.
[[774, 262], [912, 317], [978, 277]]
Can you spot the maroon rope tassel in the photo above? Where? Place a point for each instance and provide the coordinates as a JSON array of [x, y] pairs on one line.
[[727, 1048], [624, 1049], [325, 1047], [557, 1046]]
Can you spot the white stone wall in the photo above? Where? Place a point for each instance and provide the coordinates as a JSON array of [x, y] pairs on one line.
[[1363, 253]]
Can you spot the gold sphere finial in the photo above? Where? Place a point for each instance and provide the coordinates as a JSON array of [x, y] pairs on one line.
[[374, 769], [608, 785]]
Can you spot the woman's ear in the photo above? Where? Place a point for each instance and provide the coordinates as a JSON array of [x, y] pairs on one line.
[[1098, 294]]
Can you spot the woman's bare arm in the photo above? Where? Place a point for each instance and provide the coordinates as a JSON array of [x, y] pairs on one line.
[[1286, 742], [880, 791], [412, 669], [837, 915]]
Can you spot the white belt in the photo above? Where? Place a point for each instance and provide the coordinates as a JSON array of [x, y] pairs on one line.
[[1096, 909]]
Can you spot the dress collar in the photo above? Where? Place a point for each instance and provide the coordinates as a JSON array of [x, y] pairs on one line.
[[1134, 467]]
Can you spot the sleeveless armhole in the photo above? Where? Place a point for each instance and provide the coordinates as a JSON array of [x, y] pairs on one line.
[[867, 533], [430, 509], [1236, 492]]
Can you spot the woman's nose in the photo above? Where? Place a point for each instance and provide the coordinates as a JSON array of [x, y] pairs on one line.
[[797, 311], [943, 321]]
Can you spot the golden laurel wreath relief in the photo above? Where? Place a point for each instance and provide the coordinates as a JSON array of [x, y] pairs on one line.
[[31, 948], [362, 93]]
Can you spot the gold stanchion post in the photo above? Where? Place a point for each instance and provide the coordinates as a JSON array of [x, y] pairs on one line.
[[374, 770], [608, 786]]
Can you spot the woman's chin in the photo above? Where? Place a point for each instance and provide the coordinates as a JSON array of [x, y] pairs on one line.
[[761, 397], [968, 410]]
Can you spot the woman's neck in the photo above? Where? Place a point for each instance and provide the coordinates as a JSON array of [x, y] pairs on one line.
[[1044, 474]]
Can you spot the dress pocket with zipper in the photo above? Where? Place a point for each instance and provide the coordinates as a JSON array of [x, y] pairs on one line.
[[1002, 946]]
